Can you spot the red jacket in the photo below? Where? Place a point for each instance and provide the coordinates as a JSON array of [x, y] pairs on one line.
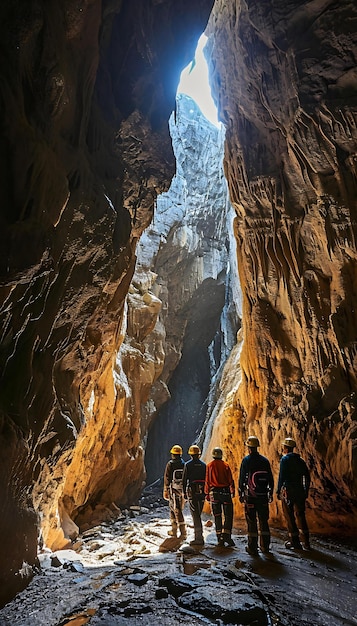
[[218, 474]]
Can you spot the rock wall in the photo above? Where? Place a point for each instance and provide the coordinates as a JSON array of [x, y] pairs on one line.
[[190, 248], [86, 91], [284, 76]]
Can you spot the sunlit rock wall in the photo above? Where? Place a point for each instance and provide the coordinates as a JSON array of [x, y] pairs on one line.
[[190, 247], [86, 92], [285, 79]]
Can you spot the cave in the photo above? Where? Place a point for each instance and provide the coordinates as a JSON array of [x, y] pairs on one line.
[[191, 253], [88, 358]]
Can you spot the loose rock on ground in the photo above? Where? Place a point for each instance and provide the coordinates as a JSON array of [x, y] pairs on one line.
[[130, 572]]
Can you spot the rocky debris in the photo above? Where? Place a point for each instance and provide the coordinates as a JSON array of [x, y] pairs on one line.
[[229, 605], [214, 597], [133, 581]]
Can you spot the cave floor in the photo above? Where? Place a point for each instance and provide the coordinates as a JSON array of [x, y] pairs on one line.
[[129, 572]]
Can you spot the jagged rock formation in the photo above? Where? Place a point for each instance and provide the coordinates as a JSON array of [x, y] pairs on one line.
[[86, 91], [189, 247], [284, 75]]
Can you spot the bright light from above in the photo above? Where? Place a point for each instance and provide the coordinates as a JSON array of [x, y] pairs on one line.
[[194, 83]]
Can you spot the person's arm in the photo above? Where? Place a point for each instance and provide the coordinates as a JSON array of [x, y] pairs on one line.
[[207, 482], [184, 481], [280, 478], [241, 481], [167, 480], [270, 483], [307, 480], [270, 477], [231, 481], [241, 478]]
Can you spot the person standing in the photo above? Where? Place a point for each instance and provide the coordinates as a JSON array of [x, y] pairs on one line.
[[256, 486], [293, 490], [219, 490], [194, 491], [173, 491]]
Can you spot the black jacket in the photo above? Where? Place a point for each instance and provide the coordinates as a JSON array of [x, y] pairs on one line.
[[255, 476], [294, 476], [194, 475], [169, 470]]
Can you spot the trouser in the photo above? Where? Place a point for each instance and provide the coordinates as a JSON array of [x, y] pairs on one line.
[[294, 512], [222, 510], [196, 506], [176, 504], [257, 511]]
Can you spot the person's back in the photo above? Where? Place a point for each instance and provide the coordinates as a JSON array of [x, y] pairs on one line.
[[256, 486], [195, 471], [293, 490], [173, 490], [175, 471], [256, 478], [294, 475], [218, 474], [219, 490], [193, 484]]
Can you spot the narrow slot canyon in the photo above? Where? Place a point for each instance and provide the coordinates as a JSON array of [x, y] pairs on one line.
[[170, 279]]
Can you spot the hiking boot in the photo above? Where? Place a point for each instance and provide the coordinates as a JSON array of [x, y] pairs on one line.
[[293, 546], [251, 551], [197, 541], [265, 550], [307, 545], [229, 541], [183, 533], [220, 541]]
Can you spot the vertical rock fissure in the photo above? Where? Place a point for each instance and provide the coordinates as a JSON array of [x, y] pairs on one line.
[[189, 248]]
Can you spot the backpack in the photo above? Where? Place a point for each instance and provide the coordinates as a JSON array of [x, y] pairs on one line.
[[258, 483], [177, 482]]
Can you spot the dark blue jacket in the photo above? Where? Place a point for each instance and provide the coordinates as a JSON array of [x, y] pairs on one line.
[[194, 475], [255, 468], [294, 476]]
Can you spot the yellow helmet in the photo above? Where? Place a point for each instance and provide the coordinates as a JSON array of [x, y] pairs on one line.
[[217, 453], [252, 442], [176, 449], [289, 442], [194, 450]]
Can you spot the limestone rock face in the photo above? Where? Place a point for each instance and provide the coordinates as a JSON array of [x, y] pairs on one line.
[[86, 91], [284, 76], [86, 355], [189, 247]]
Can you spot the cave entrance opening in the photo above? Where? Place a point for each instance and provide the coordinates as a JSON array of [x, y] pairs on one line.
[[189, 246], [194, 82]]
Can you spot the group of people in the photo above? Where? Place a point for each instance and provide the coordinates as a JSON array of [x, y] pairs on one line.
[[196, 482]]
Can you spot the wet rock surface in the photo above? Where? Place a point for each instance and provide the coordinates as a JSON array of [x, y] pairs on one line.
[[130, 572]]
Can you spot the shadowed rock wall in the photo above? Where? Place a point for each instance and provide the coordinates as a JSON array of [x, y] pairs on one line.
[[285, 78], [86, 92]]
